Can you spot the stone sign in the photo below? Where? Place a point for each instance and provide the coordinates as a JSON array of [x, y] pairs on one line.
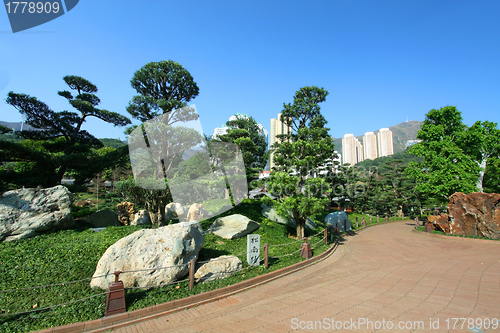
[[253, 250]]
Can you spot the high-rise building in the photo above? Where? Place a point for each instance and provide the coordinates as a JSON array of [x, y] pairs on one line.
[[220, 131], [370, 146], [277, 128], [352, 150], [410, 143], [360, 155], [385, 144]]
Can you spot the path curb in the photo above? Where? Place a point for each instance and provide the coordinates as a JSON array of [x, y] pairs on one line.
[[125, 319], [105, 324], [423, 233]]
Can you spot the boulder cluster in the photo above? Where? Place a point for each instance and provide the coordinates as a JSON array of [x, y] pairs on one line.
[[475, 214]]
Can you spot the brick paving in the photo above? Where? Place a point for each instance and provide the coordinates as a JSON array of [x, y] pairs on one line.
[[386, 273]]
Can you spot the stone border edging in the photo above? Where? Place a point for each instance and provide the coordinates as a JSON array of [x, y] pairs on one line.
[[423, 233], [125, 319]]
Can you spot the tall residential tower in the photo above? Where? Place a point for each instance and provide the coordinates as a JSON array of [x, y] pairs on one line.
[[385, 144], [370, 146], [352, 150], [277, 128]]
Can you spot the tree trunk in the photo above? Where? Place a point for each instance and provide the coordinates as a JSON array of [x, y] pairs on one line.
[[158, 216], [56, 179], [400, 211], [482, 166], [301, 225], [156, 219]]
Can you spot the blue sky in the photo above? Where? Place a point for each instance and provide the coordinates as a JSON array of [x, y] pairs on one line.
[[381, 61]]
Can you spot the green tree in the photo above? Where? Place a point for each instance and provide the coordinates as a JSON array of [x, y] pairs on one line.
[[492, 175], [246, 133], [399, 187], [480, 142], [164, 88], [295, 181], [363, 189], [446, 168], [58, 144], [5, 129]]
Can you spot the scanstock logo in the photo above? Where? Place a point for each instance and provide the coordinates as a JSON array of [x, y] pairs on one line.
[[28, 14], [166, 149]]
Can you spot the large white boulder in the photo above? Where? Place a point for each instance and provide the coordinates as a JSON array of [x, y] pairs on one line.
[[174, 210], [29, 211], [196, 212], [218, 268], [172, 246], [233, 226]]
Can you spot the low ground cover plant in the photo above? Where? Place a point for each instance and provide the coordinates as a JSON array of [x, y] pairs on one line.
[[72, 255], [438, 232]]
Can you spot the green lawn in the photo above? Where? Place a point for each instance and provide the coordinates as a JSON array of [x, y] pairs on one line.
[[71, 255], [437, 232]]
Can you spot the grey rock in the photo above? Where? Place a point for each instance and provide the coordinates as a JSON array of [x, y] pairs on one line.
[[29, 211], [233, 226], [336, 219], [103, 218], [271, 214], [172, 246], [174, 211], [141, 217], [196, 212], [218, 268]]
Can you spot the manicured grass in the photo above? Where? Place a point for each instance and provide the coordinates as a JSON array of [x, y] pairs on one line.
[[71, 255], [437, 232]]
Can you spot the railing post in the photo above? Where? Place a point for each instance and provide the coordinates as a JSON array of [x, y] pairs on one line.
[[305, 251], [370, 219], [115, 298], [357, 222], [345, 226], [325, 235], [378, 218], [192, 263], [416, 223], [394, 216], [266, 255]]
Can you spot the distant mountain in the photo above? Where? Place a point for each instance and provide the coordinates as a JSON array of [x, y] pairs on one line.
[[16, 126], [114, 143], [191, 152], [401, 133]]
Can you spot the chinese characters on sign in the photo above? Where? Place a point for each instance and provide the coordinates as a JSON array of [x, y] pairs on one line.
[[253, 250]]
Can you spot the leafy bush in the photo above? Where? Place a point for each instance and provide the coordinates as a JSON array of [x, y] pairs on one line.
[[71, 255]]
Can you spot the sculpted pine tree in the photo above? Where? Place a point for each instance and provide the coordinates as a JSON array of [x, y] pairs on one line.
[[246, 133], [164, 88], [296, 183], [58, 144]]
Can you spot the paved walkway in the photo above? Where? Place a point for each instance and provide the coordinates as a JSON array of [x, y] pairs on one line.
[[384, 275]]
